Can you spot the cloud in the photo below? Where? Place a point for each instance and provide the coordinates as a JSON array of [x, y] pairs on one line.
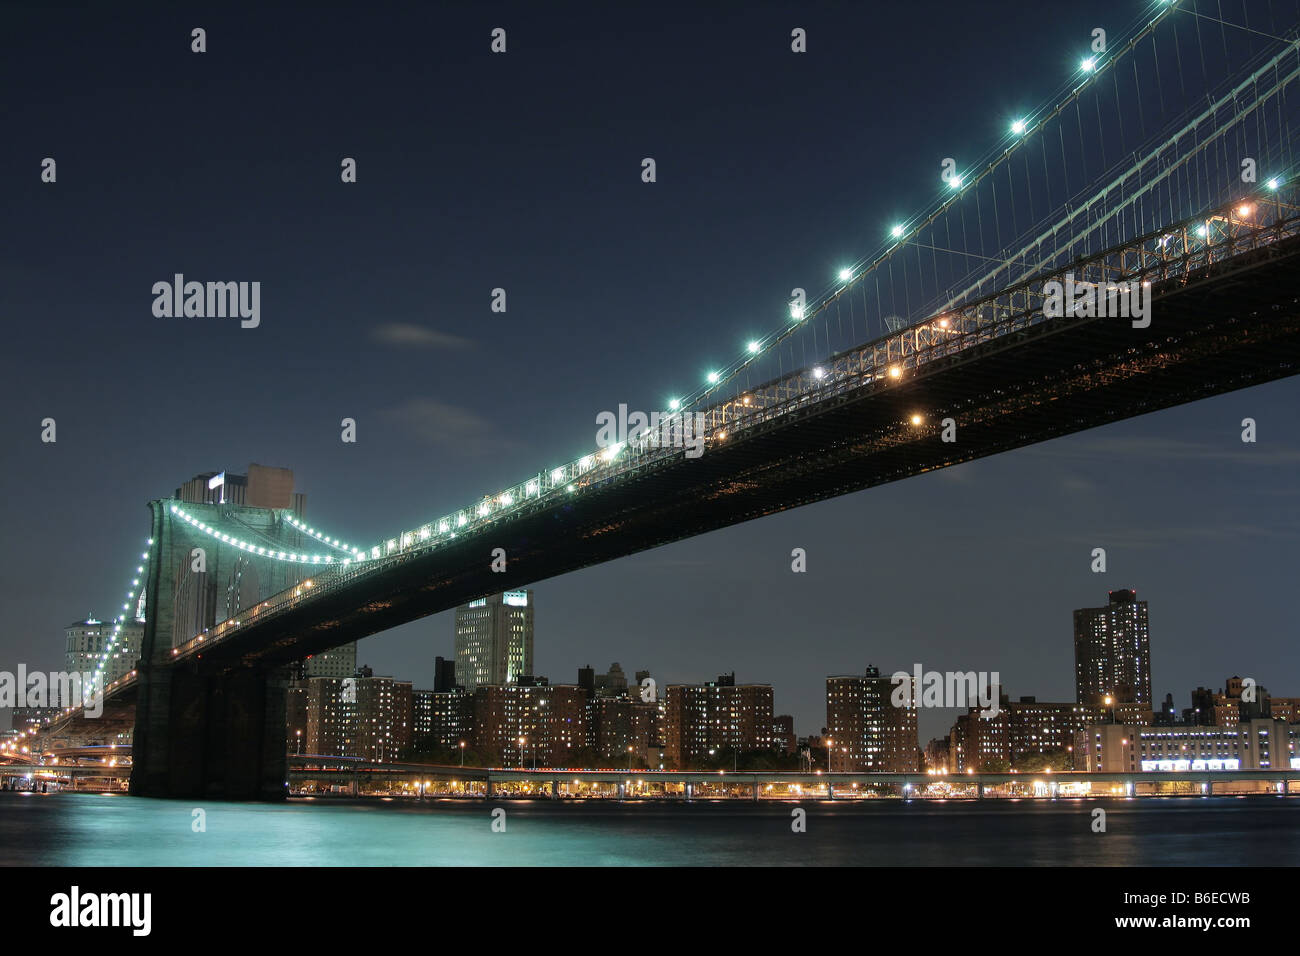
[[417, 336], [448, 426]]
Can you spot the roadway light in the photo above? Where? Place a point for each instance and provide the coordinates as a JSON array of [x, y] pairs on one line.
[[713, 378], [796, 312], [846, 275], [895, 372], [896, 232], [674, 405], [1019, 126], [917, 419], [1273, 184], [754, 347], [1089, 64], [955, 182]]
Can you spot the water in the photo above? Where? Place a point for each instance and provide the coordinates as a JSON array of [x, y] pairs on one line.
[[96, 830]]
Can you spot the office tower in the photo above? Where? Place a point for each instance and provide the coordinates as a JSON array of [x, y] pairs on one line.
[[703, 720], [1112, 653], [86, 642], [262, 487], [867, 730], [444, 675], [494, 640]]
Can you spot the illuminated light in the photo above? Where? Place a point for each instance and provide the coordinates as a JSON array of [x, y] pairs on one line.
[[819, 373], [674, 405], [846, 275], [1245, 210], [754, 347], [796, 312], [532, 488], [1089, 64], [1273, 184], [483, 509], [917, 419], [895, 372], [713, 378], [943, 323], [955, 182], [442, 526], [507, 499], [1202, 231], [460, 520], [557, 476], [897, 232], [1019, 126], [722, 436], [585, 463]]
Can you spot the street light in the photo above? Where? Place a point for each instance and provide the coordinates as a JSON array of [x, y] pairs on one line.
[[830, 749], [462, 753], [521, 753]]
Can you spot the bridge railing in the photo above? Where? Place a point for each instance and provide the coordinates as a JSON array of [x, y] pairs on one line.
[[1156, 259]]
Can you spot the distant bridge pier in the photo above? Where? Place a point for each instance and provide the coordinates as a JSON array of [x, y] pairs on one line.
[[212, 735]]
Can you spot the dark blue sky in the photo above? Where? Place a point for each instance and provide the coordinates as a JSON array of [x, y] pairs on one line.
[[522, 171]]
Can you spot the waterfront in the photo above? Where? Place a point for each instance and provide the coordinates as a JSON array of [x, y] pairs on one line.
[[115, 830]]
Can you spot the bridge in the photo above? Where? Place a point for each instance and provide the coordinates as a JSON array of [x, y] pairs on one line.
[[991, 360]]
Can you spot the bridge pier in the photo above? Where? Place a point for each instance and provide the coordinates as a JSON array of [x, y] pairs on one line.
[[214, 736]]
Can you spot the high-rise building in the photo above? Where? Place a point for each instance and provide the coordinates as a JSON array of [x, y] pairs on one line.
[[86, 642], [703, 720], [444, 675], [622, 729], [331, 712], [262, 487], [442, 719], [339, 662], [494, 640], [530, 722], [361, 716], [868, 731], [1112, 653]]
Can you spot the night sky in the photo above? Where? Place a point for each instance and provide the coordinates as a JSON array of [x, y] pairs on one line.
[[523, 171]]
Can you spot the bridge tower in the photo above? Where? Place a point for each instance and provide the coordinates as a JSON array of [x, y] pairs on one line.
[[202, 730]]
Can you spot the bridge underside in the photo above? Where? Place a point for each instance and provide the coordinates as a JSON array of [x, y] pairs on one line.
[[1214, 334], [1229, 327]]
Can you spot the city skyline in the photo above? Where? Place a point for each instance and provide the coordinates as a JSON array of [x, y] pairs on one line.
[[973, 567]]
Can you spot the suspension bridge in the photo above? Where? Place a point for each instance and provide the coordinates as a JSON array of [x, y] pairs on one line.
[[1163, 172]]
